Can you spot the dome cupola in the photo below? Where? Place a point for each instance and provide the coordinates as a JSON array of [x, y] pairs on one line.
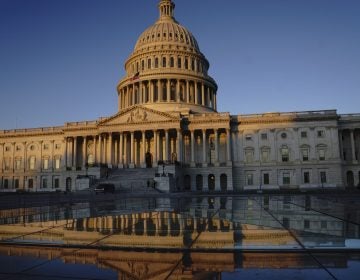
[[167, 71]]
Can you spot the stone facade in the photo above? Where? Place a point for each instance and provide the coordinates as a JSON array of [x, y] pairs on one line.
[[168, 114]]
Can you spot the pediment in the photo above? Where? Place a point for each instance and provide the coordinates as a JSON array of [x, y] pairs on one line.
[[138, 115]]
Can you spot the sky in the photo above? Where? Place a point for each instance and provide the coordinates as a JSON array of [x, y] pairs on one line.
[[61, 60]]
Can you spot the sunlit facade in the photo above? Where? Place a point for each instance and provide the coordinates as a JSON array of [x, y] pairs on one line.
[[168, 115]]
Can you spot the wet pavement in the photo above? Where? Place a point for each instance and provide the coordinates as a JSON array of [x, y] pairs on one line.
[[153, 236]]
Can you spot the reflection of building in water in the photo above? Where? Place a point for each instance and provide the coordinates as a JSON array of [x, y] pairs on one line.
[[223, 222], [194, 265], [167, 113]]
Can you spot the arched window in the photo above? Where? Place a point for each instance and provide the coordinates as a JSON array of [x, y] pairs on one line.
[[223, 182], [149, 64], [164, 62], [187, 182], [156, 62], [199, 182], [172, 62], [179, 62], [211, 182], [142, 65], [186, 63]]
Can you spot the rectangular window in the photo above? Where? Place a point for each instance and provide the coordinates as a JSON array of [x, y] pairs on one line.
[[321, 133], [305, 154], [324, 224], [46, 146], [266, 178], [286, 178], [321, 154], [17, 164], [30, 183], [32, 163], [285, 154], [6, 183], [303, 134], [44, 183], [45, 163], [57, 146], [249, 179], [56, 183], [248, 137], [265, 155], [57, 163], [249, 156], [306, 177], [323, 177], [179, 62], [16, 183], [264, 136], [306, 224]]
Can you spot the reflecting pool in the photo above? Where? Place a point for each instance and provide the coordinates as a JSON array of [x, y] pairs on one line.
[[202, 237]]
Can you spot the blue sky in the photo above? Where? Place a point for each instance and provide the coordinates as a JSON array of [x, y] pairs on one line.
[[60, 60]]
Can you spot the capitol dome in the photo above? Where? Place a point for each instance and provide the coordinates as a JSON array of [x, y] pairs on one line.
[[167, 70]]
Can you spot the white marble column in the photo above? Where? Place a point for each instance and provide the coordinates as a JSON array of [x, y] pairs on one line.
[[132, 162], [121, 159], [192, 163], [156, 146], [74, 153], [100, 149], [178, 145], [187, 92], [216, 132], [109, 150], [177, 97], [353, 157], [166, 145], [196, 93], [95, 150], [168, 90], [143, 150], [204, 147], [84, 151], [2, 156], [228, 146], [202, 94]]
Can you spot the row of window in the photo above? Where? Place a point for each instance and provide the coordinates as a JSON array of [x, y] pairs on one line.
[[286, 178], [18, 163], [45, 183], [285, 154], [284, 135], [32, 147], [186, 63], [210, 182]]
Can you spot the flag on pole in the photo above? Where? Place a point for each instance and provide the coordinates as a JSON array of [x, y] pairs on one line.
[[136, 76]]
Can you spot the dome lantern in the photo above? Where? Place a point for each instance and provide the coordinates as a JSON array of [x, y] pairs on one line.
[[166, 8]]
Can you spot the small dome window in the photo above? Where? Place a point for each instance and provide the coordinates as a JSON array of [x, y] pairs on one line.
[[283, 135], [170, 35]]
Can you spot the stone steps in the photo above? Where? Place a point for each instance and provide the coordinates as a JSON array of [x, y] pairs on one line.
[[131, 179]]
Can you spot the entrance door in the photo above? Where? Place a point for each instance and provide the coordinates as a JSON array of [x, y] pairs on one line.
[[148, 159], [350, 179], [68, 184], [211, 182]]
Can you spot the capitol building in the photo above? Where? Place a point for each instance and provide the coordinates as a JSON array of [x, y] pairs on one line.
[[168, 124]]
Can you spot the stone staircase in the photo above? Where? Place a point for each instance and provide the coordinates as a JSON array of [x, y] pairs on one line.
[[132, 180]]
